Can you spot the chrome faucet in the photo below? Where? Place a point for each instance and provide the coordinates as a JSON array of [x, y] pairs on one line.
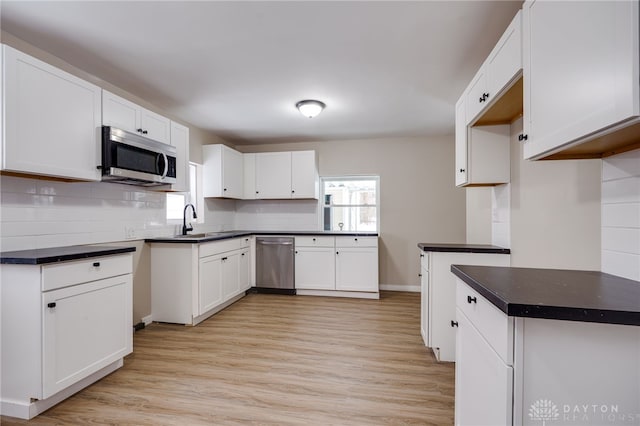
[[186, 228]]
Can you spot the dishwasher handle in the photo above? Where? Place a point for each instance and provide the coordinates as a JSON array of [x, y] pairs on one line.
[[278, 243]]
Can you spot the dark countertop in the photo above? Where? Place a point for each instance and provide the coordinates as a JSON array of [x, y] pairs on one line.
[[589, 296], [59, 254], [463, 248], [216, 236]]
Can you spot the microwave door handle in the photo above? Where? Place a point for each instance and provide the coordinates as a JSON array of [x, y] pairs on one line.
[[166, 166]]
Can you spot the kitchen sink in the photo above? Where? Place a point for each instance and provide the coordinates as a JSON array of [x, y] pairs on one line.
[[192, 236]]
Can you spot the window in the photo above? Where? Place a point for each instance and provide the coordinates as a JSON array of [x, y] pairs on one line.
[[177, 200], [350, 203]]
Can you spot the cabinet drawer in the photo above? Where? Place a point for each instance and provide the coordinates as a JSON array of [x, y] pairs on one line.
[[81, 271], [209, 249], [356, 242], [315, 241], [493, 324], [245, 241]]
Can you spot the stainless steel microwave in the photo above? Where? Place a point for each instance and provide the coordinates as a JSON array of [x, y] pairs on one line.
[[136, 160]]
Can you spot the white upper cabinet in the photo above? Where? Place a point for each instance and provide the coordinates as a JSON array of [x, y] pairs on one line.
[[273, 175], [126, 115], [223, 172], [249, 161], [51, 120], [498, 73], [180, 139], [461, 143], [304, 175], [581, 67]]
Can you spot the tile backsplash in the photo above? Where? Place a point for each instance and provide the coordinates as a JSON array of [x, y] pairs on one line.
[[36, 213], [621, 215], [285, 215]]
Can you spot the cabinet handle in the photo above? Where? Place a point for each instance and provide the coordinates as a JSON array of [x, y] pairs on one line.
[[296, 251], [139, 130], [96, 264], [242, 254], [293, 192], [224, 259], [420, 275], [355, 239], [461, 170], [454, 323], [421, 254], [337, 252], [257, 192], [480, 99], [523, 137], [144, 132], [471, 299], [314, 239], [51, 305], [224, 189]]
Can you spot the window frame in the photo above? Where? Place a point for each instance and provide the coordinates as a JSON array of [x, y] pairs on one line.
[[188, 196], [322, 205]]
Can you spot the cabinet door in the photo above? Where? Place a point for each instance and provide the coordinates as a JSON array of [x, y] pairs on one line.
[[86, 328], [315, 268], [245, 270], [230, 275], [232, 173], [477, 96], [273, 175], [484, 383], [580, 70], [180, 139], [51, 120], [209, 283], [424, 305], [249, 176], [304, 175], [357, 269], [155, 126], [461, 142], [505, 61], [120, 113]]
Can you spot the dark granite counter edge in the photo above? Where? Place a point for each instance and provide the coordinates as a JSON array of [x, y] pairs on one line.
[[462, 249], [53, 258], [484, 292], [173, 240], [550, 312]]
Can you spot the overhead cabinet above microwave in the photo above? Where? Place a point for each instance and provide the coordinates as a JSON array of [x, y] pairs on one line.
[[51, 120]]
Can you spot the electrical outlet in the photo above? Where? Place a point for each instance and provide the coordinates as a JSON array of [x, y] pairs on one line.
[[129, 232]]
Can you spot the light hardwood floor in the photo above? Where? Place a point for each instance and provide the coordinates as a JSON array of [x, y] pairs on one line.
[[275, 360]]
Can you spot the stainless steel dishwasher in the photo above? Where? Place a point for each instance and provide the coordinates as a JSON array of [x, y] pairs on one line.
[[275, 265]]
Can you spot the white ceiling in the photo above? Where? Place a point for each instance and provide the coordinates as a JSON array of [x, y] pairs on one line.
[[237, 68]]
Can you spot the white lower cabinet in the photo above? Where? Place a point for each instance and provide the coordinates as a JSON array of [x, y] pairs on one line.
[[190, 282], [439, 304], [346, 264], [424, 297], [59, 336], [525, 371]]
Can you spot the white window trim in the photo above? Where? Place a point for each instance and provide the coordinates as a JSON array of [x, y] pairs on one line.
[[349, 177]]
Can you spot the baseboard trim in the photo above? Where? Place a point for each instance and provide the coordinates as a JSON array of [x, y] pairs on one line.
[[339, 293], [391, 287], [147, 320]]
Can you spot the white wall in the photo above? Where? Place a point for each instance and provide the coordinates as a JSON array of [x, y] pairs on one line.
[[479, 213], [621, 215]]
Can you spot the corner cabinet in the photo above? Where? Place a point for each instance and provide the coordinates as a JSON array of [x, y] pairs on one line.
[[581, 93], [223, 172], [126, 115], [51, 120], [64, 326], [191, 282]]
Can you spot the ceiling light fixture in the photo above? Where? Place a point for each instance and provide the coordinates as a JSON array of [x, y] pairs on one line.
[[310, 108]]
